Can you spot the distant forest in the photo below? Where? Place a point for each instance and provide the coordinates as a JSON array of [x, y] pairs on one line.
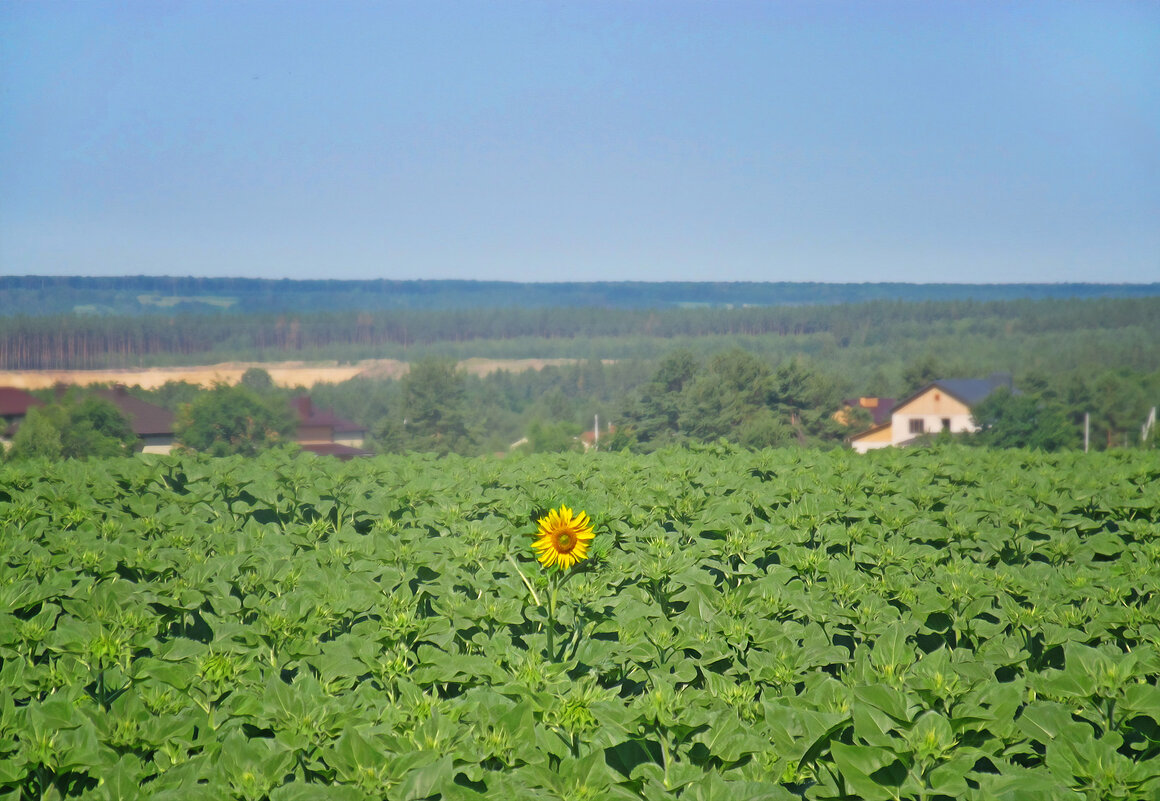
[[863, 342], [148, 295]]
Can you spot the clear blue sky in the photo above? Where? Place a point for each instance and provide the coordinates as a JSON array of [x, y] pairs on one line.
[[582, 140]]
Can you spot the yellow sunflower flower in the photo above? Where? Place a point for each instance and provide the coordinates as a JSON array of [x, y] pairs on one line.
[[563, 538]]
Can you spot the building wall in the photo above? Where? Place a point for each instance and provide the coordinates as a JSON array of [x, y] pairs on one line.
[[936, 410], [315, 434], [877, 439], [157, 443]]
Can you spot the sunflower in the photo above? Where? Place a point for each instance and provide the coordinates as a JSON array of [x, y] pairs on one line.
[[562, 538]]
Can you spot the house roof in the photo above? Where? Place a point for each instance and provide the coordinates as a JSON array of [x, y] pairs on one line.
[[968, 390], [15, 401], [879, 408], [309, 416], [972, 390], [869, 431], [144, 417]]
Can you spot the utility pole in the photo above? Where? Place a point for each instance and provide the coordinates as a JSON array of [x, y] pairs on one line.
[[1149, 424], [596, 434], [1087, 430]]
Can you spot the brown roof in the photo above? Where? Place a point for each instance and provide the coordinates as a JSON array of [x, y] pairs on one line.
[[146, 418], [309, 416], [15, 402]]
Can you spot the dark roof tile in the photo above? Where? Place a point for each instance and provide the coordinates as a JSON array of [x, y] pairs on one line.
[[15, 401], [146, 418], [309, 416]]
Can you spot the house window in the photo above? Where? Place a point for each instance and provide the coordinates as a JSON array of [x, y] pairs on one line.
[[946, 424], [917, 427]]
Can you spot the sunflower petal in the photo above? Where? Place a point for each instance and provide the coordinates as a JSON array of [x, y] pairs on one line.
[[562, 538]]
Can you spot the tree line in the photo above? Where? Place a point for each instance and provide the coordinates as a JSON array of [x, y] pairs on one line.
[[1013, 330]]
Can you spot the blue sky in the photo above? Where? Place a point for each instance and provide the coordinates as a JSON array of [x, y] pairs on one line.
[[547, 141]]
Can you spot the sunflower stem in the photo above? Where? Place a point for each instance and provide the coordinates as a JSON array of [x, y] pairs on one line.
[[527, 583], [665, 756], [552, 616]]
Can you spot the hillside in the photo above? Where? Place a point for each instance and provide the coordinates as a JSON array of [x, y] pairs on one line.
[[150, 295]]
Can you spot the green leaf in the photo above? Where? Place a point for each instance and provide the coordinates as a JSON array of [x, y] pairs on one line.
[[713, 787], [884, 698], [307, 791], [1044, 721], [425, 781], [857, 764]]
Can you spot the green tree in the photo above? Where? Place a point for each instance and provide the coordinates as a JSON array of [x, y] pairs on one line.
[[762, 429], [556, 437], [95, 427], [918, 374], [737, 396], [808, 399], [258, 380], [226, 420], [736, 388], [653, 417], [1007, 420], [1120, 408], [74, 428], [172, 394], [387, 435], [39, 434], [435, 417]]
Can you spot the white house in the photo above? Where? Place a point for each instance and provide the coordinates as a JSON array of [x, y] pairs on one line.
[[943, 405]]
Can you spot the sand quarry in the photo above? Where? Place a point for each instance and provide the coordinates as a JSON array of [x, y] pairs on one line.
[[285, 374]]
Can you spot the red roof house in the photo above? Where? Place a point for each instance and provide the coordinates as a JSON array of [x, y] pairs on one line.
[[321, 431], [16, 402]]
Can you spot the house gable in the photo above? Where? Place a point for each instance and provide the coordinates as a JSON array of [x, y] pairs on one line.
[[879, 436], [933, 400]]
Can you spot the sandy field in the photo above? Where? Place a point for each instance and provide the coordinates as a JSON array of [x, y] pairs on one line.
[[286, 374]]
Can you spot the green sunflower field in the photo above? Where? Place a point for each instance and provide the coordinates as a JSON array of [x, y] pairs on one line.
[[940, 624]]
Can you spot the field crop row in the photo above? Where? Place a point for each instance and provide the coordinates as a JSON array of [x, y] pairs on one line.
[[775, 625]]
